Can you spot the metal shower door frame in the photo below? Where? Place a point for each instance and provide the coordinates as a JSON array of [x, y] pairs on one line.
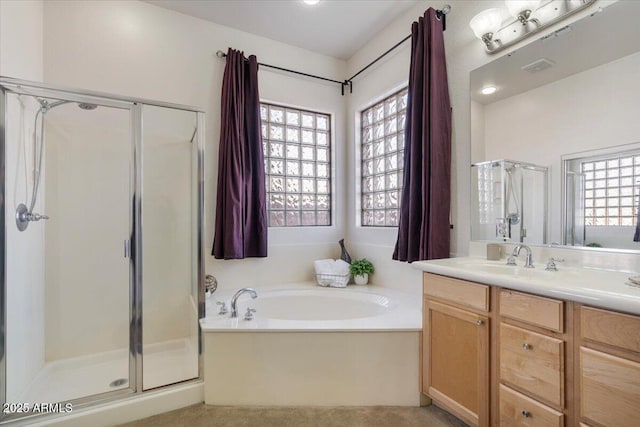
[[134, 105]]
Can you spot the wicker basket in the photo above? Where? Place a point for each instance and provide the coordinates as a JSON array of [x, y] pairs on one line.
[[333, 280]]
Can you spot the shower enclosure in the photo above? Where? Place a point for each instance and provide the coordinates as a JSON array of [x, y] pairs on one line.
[[509, 201], [102, 260]]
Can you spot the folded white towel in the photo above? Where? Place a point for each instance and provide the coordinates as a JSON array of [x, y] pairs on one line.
[[341, 267], [324, 266], [330, 272]]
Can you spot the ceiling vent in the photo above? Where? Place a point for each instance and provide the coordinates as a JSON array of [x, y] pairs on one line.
[[539, 65]]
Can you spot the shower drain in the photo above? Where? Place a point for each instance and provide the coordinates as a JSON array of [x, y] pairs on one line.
[[118, 382]]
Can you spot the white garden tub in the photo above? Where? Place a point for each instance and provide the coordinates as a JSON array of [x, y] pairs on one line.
[[309, 345]]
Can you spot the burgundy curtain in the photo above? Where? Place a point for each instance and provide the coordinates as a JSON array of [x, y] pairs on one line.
[[241, 216], [423, 228]]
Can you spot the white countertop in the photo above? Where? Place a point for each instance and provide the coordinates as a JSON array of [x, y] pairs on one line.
[[594, 287]]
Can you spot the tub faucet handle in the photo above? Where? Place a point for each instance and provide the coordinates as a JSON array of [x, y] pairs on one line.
[[223, 307], [249, 314]]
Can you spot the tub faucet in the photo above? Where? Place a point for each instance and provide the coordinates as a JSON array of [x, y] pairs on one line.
[[234, 299], [528, 261]]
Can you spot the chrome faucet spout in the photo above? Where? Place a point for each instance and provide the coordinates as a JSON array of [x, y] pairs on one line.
[[234, 299], [528, 261]]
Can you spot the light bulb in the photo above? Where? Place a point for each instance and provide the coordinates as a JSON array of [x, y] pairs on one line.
[[488, 90], [486, 22], [311, 2]]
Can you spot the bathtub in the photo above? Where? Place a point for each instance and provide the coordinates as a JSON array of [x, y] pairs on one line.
[[309, 345]]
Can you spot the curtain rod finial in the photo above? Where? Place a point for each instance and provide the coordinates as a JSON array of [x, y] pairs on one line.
[[446, 9], [220, 54]]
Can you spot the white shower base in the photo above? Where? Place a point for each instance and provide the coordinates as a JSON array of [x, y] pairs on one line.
[[67, 379]]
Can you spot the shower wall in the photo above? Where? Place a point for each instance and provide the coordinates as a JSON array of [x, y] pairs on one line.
[[21, 55], [87, 198], [25, 265]]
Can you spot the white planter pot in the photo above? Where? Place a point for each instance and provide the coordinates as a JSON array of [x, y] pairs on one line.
[[361, 280]]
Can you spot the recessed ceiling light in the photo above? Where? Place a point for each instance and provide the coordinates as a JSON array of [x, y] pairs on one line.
[[311, 2], [488, 90]]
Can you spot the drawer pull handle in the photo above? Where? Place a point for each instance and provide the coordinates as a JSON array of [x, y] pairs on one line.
[[479, 322], [526, 414], [526, 346]]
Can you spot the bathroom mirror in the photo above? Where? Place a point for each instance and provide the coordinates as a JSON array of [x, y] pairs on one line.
[[567, 102]]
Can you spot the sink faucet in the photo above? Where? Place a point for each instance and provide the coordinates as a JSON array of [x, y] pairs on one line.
[[234, 299], [528, 261]]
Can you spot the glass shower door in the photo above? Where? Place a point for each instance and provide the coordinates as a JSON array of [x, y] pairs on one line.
[[169, 240], [68, 277]]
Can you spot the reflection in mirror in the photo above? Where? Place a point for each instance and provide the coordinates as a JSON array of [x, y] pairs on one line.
[[601, 197], [569, 102], [509, 201]]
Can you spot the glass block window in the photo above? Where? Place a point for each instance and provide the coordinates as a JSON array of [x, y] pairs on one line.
[[382, 144], [297, 156], [612, 189]]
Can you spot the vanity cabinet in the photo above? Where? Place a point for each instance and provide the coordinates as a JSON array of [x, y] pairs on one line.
[[455, 352], [499, 357], [532, 360], [609, 368]]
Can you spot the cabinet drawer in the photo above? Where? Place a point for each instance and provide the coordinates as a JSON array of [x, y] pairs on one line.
[[532, 362], [538, 311], [609, 389], [517, 409], [457, 291], [606, 327]]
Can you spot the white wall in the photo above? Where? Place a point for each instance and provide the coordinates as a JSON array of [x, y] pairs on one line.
[[464, 53], [21, 39], [594, 109], [137, 49], [21, 57], [140, 50]]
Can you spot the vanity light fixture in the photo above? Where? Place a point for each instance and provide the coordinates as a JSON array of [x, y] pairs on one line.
[[488, 90], [311, 2], [523, 18], [522, 9], [486, 24]]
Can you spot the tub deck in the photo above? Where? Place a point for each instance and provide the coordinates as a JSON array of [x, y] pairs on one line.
[[396, 311]]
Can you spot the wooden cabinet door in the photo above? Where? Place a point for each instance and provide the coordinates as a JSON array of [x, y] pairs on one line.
[[609, 389], [456, 361]]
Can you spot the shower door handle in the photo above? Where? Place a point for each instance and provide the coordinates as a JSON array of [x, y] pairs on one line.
[[127, 248]]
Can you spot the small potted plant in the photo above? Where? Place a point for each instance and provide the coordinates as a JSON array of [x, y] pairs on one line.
[[361, 269]]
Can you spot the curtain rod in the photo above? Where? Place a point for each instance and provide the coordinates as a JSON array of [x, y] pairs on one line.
[[441, 14], [221, 54]]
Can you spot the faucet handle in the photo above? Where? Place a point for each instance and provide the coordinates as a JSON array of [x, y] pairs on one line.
[[551, 264], [223, 307], [511, 260], [249, 314]]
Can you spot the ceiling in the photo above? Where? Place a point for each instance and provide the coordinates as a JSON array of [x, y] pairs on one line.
[[336, 28]]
